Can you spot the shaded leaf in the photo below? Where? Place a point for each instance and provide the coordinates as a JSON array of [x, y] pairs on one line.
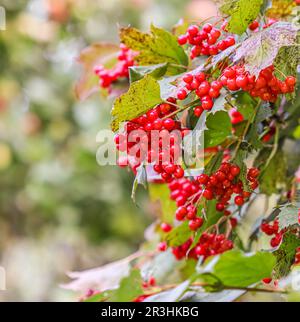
[[179, 235], [141, 97], [285, 255], [269, 183], [138, 72], [161, 193]]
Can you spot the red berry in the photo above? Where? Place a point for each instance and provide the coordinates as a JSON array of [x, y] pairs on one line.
[[193, 30], [162, 246], [203, 178], [235, 170], [169, 124], [207, 27], [207, 105], [165, 227], [254, 25], [181, 94], [181, 212], [182, 40], [208, 194], [239, 200], [188, 78], [290, 80], [196, 223]]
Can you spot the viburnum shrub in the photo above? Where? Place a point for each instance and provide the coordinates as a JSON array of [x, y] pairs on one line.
[[231, 221]]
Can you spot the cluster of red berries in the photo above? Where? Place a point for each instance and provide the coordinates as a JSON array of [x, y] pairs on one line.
[[266, 85], [271, 229], [120, 70], [139, 144], [221, 185], [204, 40], [208, 245], [205, 90]]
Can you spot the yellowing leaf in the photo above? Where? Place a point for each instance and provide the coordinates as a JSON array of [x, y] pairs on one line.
[[242, 13], [141, 97], [90, 57], [158, 47]]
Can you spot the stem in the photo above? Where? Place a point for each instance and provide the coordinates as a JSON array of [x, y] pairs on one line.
[[180, 109], [225, 287], [250, 121]]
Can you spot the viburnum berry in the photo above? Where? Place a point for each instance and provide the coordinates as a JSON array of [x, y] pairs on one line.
[[253, 25], [165, 227]]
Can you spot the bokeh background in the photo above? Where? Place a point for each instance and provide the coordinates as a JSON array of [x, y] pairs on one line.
[[59, 210]]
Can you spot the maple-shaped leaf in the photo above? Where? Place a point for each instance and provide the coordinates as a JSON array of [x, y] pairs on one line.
[[260, 50]]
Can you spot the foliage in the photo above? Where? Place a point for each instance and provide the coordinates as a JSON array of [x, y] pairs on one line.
[[226, 80]]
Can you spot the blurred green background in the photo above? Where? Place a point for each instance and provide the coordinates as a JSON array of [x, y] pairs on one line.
[[59, 210]]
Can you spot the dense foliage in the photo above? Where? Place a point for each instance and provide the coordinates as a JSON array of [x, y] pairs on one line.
[[231, 80]]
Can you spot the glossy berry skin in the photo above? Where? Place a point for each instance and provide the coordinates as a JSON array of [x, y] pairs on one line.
[[254, 25], [239, 200]]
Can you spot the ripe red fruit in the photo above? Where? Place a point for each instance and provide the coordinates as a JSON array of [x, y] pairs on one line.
[[165, 227], [253, 172], [290, 80], [235, 170], [181, 94], [207, 105], [203, 178], [198, 110], [180, 213], [220, 206], [267, 280], [254, 25], [193, 30], [196, 223], [182, 40], [242, 81], [162, 246], [179, 173], [207, 27], [239, 200], [169, 124], [188, 78], [208, 194]]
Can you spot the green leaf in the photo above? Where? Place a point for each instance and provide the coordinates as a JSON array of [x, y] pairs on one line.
[[274, 176], [90, 57], [285, 255], [160, 46], [245, 104], [288, 216], [264, 112], [130, 288], [242, 13], [218, 128], [212, 217], [238, 269], [260, 50], [161, 193], [214, 163], [138, 72], [100, 297], [141, 97], [179, 235], [239, 160], [140, 179]]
